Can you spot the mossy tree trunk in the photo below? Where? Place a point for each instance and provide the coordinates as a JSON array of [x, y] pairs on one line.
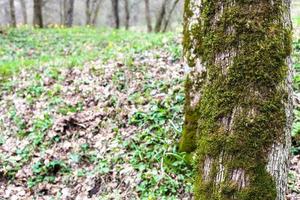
[[238, 110]]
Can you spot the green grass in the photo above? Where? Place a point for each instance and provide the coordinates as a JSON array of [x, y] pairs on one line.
[[296, 21], [27, 47]]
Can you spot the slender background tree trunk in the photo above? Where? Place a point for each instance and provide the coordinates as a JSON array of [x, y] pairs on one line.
[[168, 19], [127, 14], [6, 13], [115, 6], [96, 11], [61, 12], [88, 12], [24, 11], [65, 7], [12, 11], [238, 111], [161, 16], [37, 13], [148, 16], [92, 11], [70, 13]]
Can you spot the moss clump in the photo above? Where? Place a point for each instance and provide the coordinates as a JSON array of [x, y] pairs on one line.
[[188, 142], [242, 108]]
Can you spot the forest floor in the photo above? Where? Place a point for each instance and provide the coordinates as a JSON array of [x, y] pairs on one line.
[[97, 114]]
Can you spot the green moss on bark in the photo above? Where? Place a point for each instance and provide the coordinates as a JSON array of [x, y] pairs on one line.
[[188, 142], [241, 112]]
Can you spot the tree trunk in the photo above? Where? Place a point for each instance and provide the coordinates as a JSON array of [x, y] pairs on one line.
[[96, 11], [24, 11], [12, 11], [88, 12], [161, 16], [70, 13], [170, 15], [127, 14], [61, 12], [115, 6], [65, 8], [92, 11], [37, 13], [238, 111], [148, 16], [6, 14]]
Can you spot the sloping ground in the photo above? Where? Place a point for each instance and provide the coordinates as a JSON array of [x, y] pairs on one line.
[[104, 128]]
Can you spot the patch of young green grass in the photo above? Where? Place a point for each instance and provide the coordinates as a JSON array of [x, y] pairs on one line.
[[43, 172], [162, 169], [296, 21], [36, 137], [27, 47]]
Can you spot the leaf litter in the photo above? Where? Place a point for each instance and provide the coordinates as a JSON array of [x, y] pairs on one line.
[[73, 136]]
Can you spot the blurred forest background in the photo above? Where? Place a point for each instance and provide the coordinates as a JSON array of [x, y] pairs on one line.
[[151, 15], [156, 15]]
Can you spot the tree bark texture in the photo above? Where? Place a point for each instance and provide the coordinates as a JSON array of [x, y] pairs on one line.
[[238, 111]]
